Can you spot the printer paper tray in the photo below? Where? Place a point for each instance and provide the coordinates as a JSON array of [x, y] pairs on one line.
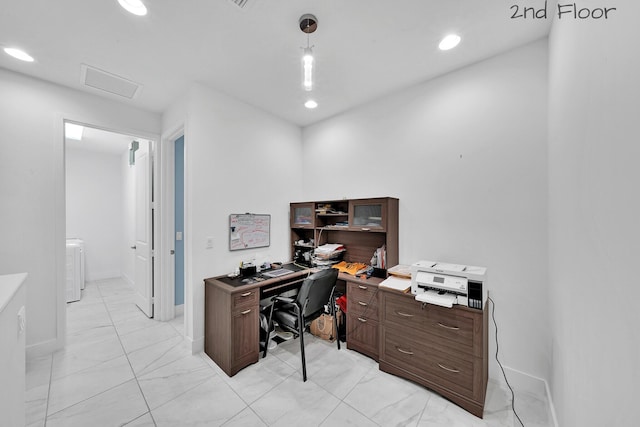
[[434, 297]]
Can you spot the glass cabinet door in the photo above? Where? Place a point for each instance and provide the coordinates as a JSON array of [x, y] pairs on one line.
[[302, 215], [368, 214]]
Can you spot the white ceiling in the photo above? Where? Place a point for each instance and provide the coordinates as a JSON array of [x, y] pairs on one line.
[[364, 48]]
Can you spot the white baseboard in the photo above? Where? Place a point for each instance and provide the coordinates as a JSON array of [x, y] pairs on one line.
[[552, 407], [42, 348], [179, 310], [522, 382], [103, 276], [197, 345], [127, 279]]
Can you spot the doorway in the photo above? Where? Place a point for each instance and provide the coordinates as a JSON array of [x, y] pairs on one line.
[[108, 205], [179, 225]]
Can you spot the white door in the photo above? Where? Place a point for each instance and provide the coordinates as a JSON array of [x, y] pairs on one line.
[[143, 229]]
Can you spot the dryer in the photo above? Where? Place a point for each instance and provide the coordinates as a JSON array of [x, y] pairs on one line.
[[75, 269]]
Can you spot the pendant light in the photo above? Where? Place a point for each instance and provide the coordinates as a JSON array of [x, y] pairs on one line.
[[308, 24]]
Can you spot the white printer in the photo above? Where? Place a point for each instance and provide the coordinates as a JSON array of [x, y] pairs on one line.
[[447, 284]]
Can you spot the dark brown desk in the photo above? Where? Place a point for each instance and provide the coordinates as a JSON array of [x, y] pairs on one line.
[[232, 316], [444, 349]]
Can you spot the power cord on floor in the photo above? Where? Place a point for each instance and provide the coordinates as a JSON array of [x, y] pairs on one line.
[[513, 396]]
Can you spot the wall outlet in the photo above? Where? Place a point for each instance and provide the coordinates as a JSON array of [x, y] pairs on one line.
[[209, 242]]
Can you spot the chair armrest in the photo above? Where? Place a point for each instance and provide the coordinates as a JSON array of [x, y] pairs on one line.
[[284, 299]]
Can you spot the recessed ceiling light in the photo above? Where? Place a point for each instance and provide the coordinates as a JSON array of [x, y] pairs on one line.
[[449, 42], [311, 104], [73, 131], [18, 54], [134, 6]]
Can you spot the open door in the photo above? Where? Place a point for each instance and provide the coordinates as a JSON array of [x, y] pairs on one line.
[[143, 247]]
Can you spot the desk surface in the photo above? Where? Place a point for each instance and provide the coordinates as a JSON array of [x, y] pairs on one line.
[[240, 284]]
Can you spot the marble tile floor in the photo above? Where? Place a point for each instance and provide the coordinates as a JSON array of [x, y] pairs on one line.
[[120, 368]]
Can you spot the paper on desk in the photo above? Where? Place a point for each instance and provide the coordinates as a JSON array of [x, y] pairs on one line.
[[397, 283], [434, 297], [400, 270], [329, 247], [449, 267]]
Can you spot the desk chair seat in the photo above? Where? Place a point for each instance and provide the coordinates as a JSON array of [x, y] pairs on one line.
[[295, 314]]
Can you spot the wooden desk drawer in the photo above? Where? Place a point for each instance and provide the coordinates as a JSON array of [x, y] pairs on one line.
[[456, 328], [362, 335], [246, 298], [362, 300], [245, 332], [419, 355]]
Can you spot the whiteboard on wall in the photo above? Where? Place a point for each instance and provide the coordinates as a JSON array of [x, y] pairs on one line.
[[248, 231]]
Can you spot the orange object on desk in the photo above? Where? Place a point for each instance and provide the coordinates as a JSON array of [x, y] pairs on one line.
[[351, 268]]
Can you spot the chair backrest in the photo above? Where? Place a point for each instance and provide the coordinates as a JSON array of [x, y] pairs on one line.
[[316, 290]]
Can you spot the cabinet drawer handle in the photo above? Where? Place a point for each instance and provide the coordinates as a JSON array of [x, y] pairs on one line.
[[363, 287], [410, 353], [245, 312], [366, 229], [399, 313], [246, 294], [363, 303], [453, 328], [455, 371], [362, 320]]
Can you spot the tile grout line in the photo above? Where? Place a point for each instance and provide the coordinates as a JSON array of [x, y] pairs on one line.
[[135, 376], [104, 391], [46, 410]]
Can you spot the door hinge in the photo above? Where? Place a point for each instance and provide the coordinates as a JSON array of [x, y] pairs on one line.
[[153, 253]]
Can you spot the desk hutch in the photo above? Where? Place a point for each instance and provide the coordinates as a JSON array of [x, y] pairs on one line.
[[362, 226]]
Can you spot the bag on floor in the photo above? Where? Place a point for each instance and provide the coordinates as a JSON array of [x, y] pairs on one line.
[[324, 327]]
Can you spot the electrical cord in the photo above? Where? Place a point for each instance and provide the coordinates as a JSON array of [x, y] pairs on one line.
[[513, 396]]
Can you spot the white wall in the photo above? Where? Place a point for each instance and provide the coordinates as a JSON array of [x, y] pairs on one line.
[[594, 214], [466, 155], [238, 159], [32, 186], [94, 205]]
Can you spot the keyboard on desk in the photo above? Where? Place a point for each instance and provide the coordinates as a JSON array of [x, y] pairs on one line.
[[277, 273]]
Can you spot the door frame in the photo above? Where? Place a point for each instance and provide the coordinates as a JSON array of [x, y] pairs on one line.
[[59, 214], [166, 310], [166, 286]]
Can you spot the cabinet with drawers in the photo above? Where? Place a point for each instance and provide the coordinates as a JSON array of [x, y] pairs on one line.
[[232, 327], [362, 316], [444, 349], [232, 316]]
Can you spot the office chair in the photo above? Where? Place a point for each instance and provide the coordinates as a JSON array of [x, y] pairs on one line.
[[295, 314]]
